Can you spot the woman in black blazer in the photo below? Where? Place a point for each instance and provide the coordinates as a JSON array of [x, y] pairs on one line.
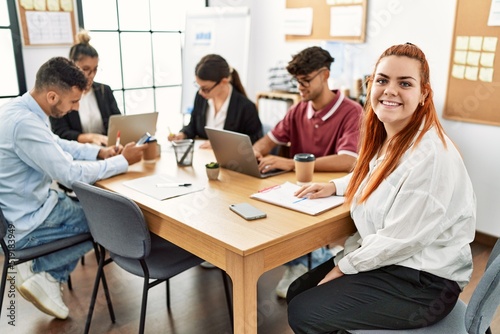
[[220, 102], [90, 123]]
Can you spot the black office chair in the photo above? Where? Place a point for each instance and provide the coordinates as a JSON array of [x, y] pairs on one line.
[[15, 257], [118, 225]]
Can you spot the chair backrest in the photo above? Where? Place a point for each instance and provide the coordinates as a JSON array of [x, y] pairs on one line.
[[115, 221], [486, 297], [3, 225]]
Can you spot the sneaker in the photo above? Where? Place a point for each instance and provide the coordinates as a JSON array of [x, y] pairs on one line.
[[336, 249], [290, 275], [45, 293], [207, 265], [24, 272]]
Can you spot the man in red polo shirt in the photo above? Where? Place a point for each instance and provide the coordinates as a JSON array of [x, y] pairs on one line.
[[325, 123]]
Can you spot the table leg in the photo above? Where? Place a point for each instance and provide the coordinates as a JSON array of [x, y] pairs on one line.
[[245, 272]]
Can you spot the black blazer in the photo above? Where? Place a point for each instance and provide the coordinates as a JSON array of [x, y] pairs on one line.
[[242, 117], [70, 127]]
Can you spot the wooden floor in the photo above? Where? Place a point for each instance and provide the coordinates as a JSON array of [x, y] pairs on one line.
[[198, 304]]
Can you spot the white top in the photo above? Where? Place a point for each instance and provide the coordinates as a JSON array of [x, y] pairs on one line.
[[90, 116], [422, 216], [217, 120]]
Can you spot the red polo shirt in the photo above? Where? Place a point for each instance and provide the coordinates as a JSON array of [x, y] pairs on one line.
[[331, 130]]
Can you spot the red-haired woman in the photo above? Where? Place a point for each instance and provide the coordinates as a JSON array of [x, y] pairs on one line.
[[414, 207]]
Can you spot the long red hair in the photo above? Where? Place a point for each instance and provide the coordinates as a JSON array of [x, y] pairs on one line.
[[373, 132]]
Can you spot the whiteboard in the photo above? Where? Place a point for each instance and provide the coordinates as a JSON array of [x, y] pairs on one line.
[[221, 30]]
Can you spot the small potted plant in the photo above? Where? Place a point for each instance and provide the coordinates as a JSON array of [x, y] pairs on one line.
[[212, 170]]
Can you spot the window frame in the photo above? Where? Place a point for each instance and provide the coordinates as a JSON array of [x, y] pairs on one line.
[[154, 87], [17, 47]]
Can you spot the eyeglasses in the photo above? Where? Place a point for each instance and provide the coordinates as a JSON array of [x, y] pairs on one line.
[[89, 71], [205, 90], [306, 82]]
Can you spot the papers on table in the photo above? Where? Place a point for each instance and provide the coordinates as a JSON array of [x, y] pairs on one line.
[[282, 195], [162, 186]]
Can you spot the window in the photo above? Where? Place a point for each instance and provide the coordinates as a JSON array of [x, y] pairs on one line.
[[140, 48], [13, 81]]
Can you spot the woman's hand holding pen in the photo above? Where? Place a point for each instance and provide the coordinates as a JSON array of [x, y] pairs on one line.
[[317, 190], [173, 136]]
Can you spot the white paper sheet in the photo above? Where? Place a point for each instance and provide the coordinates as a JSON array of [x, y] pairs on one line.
[[298, 21], [148, 185]]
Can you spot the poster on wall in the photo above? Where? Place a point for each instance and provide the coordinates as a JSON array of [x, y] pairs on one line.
[[221, 30]]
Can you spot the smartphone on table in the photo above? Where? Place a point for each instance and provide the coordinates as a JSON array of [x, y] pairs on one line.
[[247, 211]]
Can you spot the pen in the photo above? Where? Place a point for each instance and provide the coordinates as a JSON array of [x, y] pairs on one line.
[[299, 200], [117, 145], [269, 188], [172, 185]]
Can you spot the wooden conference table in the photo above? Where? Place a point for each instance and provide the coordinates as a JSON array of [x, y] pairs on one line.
[[202, 223]]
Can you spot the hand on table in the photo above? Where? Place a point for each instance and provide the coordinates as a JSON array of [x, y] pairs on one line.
[[270, 162]]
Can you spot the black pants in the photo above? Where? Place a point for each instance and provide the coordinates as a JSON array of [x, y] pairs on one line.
[[392, 297]]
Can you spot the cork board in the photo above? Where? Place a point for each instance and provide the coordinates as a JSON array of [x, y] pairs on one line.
[[473, 92], [333, 20], [47, 22]]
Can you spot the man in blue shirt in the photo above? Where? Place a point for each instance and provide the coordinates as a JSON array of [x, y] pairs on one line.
[[31, 158]]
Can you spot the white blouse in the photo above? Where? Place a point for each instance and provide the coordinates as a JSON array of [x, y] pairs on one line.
[[90, 115], [422, 216], [218, 120]]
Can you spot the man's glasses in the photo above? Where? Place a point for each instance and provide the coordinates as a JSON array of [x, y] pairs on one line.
[[305, 82], [204, 89]]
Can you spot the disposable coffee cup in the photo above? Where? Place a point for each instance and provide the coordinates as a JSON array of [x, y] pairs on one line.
[[151, 152], [184, 151], [304, 167]]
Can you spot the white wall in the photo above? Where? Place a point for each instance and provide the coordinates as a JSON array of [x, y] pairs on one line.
[[389, 22], [34, 57]]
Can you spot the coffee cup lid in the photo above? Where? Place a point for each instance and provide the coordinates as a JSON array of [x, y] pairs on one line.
[[304, 157]]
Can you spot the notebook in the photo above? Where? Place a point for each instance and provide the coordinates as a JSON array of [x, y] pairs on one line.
[[234, 151], [131, 127], [282, 195]]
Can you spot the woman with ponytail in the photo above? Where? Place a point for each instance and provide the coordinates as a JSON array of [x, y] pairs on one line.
[[221, 102]]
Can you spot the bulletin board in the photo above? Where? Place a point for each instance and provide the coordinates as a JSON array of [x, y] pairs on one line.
[[47, 22], [333, 20], [473, 93]]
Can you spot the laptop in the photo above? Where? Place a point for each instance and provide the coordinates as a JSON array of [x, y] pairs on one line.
[[234, 151], [131, 127]]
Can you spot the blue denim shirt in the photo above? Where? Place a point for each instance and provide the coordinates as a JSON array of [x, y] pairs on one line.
[[32, 157]]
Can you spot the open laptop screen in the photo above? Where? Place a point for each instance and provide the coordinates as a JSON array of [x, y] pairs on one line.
[[234, 151], [131, 127]]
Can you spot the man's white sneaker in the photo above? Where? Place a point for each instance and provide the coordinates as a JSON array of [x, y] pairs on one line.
[[45, 293], [336, 249], [24, 272], [207, 265], [291, 274]]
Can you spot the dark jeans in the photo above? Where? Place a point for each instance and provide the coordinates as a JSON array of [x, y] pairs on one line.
[[392, 297]]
